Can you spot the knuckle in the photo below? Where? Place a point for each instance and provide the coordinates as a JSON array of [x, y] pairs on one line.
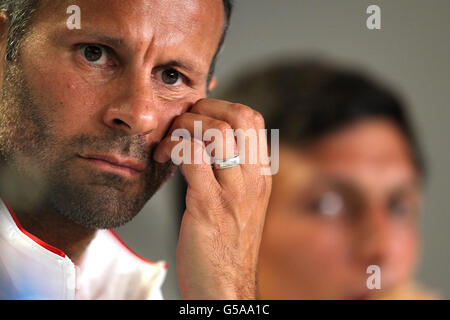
[[179, 121], [222, 126], [242, 110], [259, 119], [246, 113], [199, 105]]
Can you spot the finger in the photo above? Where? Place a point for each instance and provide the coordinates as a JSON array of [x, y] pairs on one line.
[[237, 115], [200, 177], [224, 145], [248, 125], [217, 135]]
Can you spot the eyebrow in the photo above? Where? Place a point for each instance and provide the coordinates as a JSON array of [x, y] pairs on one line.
[[115, 42], [101, 37], [180, 64], [110, 41]]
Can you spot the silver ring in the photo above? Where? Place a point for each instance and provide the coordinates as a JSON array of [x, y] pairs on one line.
[[227, 163]]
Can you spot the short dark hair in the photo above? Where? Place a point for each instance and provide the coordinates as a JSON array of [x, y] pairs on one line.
[[309, 99], [21, 12]]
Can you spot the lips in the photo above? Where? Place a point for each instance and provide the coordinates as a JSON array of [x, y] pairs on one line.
[[115, 162]]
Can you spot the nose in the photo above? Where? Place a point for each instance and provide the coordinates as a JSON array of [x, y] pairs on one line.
[[133, 109], [374, 237]]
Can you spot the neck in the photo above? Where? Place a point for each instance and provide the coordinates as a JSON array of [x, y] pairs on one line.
[[54, 229]]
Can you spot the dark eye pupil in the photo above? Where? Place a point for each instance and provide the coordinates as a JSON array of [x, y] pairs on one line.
[[397, 207], [93, 53], [170, 76]]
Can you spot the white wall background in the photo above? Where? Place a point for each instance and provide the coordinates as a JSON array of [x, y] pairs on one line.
[[411, 53]]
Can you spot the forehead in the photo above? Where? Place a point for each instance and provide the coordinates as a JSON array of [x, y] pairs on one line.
[[195, 25], [369, 153], [374, 144]]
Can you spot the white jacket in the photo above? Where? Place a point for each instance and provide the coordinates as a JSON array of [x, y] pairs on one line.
[[32, 269]]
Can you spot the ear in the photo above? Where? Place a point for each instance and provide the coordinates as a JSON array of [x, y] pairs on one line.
[[4, 23], [212, 84]]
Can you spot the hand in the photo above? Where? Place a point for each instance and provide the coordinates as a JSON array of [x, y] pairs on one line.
[[221, 229]]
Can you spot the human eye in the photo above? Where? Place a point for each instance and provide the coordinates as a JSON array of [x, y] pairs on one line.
[[335, 200], [329, 204], [402, 208], [171, 77], [326, 204], [95, 54]]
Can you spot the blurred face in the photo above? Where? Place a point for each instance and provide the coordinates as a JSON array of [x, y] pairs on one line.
[[349, 201], [82, 110]]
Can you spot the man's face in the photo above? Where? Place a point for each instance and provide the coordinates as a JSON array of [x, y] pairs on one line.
[[82, 110], [347, 202]]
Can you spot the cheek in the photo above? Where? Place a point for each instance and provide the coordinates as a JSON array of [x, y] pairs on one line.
[[66, 100], [309, 257], [404, 249], [306, 244], [79, 104], [320, 246]]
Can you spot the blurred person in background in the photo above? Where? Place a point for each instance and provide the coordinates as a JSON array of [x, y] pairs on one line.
[[349, 188]]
